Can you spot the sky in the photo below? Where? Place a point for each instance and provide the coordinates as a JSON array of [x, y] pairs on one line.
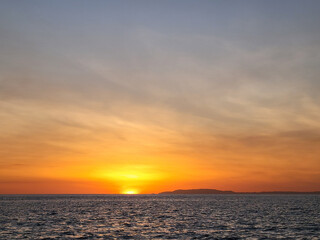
[[147, 96]]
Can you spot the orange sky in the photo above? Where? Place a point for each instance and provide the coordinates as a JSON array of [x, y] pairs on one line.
[[144, 98]]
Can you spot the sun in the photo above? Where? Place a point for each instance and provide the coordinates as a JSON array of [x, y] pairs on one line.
[[131, 191]]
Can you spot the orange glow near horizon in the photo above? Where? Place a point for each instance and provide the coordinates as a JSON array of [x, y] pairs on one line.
[[183, 166]]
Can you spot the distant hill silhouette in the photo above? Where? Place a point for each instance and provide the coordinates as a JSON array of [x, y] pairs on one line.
[[215, 191], [281, 192], [198, 191]]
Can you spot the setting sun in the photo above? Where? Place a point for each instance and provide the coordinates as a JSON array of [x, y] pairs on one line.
[[130, 192]]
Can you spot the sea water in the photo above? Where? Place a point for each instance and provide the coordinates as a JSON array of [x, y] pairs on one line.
[[160, 216]]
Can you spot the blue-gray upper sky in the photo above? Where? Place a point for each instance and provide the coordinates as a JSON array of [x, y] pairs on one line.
[[194, 77]]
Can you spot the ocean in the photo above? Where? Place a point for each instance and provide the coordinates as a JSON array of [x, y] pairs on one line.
[[233, 216]]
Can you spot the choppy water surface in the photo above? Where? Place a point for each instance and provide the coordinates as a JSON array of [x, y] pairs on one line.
[[159, 216]]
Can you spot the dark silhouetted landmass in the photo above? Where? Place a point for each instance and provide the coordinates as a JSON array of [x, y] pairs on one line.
[[198, 191], [281, 192], [214, 191]]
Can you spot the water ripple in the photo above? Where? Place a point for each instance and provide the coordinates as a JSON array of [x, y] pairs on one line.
[[160, 217]]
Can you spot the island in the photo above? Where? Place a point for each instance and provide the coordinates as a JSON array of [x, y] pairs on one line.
[[198, 191], [215, 191]]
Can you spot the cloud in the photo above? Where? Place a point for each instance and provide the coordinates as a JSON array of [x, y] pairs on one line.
[[231, 85]]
